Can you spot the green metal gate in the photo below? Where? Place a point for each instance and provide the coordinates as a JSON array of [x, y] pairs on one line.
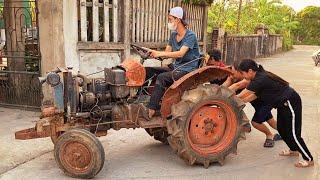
[[20, 61]]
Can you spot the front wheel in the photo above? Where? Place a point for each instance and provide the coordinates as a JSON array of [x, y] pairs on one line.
[[79, 154], [206, 125]]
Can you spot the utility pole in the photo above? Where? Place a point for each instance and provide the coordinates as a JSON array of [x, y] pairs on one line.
[[239, 16]]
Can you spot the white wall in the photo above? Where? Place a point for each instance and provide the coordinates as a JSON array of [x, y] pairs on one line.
[[92, 61], [70, 32]]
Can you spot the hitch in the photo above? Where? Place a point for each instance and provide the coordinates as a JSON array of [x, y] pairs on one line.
[[33, 133]]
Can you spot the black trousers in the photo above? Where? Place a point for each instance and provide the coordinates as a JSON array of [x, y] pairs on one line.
[[289, 125], [165, 78]]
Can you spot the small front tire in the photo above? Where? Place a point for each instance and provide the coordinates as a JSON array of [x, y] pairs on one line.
[[79, 154]]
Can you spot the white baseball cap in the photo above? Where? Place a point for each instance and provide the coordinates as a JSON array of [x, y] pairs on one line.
[[176, 12]]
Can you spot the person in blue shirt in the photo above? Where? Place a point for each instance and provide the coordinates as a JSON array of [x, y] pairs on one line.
[[183, 47]]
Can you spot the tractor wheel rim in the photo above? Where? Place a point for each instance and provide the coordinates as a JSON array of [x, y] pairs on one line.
[[76, 157], [212, 127]]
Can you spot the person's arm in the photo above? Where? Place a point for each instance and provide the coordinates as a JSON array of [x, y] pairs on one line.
[[239, 85], [253, 89], [249, 98], [227, 82], [170, 54], [168, 48], [247, 95], [244, 93]]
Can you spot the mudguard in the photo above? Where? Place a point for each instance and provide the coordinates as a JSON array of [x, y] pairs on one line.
[[190, 81]]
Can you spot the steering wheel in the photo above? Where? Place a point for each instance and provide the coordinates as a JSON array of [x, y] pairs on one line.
[[143, 53]]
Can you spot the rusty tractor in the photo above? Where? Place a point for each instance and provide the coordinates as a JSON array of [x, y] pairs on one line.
[[202, 122]]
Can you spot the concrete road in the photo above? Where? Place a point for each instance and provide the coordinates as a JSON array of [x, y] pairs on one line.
[[132, 154]]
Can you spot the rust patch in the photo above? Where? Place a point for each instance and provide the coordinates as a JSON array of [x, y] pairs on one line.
[[76, 156], [48, 112], [32, 133], [41, 130]]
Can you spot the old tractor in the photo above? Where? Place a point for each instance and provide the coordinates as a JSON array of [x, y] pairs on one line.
[[202, 122]]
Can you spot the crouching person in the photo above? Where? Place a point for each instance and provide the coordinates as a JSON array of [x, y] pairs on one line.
[[276, 92], [262, 113]]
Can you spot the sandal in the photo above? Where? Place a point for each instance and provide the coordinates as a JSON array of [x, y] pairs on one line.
[[287, 152], [304, 164], [269, 143], [277, 137]]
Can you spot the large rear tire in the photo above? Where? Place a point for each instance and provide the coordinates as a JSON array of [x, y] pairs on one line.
[[206, 125], [79, 154]]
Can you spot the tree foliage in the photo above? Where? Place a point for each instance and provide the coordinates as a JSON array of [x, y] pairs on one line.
[[308, 31], [199, 1], [277, 17]]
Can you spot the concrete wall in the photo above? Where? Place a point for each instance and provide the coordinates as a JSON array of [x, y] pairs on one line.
[[58, 30], [52, 45], [70, 33], [51, 40], [91, 62]]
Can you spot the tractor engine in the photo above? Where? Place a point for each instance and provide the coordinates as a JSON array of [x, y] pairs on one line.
[[98, 100], [105, 91], [120, 85]]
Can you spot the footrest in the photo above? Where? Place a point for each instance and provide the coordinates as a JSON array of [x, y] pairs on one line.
[[152, 123]]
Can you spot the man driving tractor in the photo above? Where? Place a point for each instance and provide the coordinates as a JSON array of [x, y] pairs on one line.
[[183, 47]]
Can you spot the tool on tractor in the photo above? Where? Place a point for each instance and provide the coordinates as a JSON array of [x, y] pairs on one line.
[[202, 122]]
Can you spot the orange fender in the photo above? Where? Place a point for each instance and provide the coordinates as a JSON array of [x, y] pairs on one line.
[[190, 81]]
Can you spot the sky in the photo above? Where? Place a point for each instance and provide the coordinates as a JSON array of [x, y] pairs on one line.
[[298, 5]]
